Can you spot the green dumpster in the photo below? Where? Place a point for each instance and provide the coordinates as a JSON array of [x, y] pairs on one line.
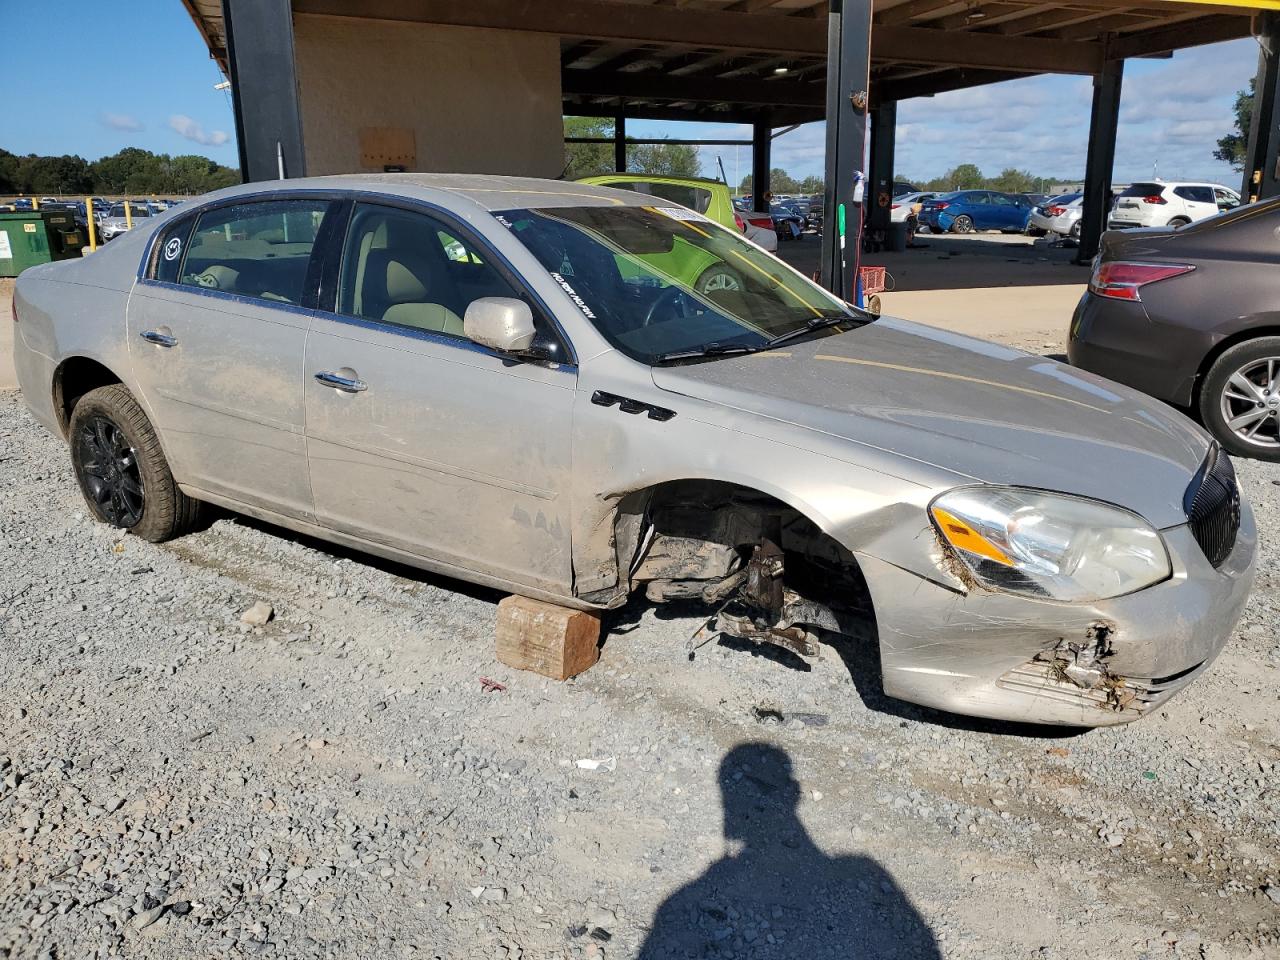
[[24, 241]]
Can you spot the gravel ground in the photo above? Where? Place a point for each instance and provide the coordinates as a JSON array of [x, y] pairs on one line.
[[335, 782]]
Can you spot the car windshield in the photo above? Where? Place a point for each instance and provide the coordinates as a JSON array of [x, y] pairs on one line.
[[659, 281], [134, 210]]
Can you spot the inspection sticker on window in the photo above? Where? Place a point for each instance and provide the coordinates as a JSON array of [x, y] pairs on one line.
[[679, 213], [573, 295]]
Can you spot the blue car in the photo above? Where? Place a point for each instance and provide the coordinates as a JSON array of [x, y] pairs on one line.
[[968, 210]]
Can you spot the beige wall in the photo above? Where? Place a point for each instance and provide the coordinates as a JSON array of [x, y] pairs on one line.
[[478, 101]]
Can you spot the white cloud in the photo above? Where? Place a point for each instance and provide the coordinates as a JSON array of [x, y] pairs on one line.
[[122, 121], [185, 127]]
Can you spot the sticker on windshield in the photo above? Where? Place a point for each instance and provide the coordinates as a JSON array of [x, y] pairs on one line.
[[573, 295], [173, 249], [680, 213]]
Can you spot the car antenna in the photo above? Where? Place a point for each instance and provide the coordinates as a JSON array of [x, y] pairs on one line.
[[723, 178]]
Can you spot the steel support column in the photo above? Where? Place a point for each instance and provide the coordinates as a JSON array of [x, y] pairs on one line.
[[1262, 159], [761, 158], [619, 144], [848, 80], [884, 123], [264, 88], [1103, 125]]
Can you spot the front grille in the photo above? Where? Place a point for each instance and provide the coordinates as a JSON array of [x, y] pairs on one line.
[[1037, 678], [1212, 503]]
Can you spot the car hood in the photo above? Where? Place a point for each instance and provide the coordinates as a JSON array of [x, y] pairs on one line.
[[968, 406]]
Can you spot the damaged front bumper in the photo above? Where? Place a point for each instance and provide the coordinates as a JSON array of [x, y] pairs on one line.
[[1007, 657]]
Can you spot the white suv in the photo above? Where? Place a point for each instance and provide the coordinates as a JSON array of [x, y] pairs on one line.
[[1155, 204]]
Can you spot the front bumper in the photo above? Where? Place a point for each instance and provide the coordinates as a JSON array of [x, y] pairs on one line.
[[993, 655]]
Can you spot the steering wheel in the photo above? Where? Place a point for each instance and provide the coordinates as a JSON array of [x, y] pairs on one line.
[[667, 298]]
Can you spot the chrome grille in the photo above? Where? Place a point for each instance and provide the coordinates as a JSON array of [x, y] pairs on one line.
[[1212, 503]]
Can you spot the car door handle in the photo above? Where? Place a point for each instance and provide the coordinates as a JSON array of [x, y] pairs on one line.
[[159, 339], [339, 382]]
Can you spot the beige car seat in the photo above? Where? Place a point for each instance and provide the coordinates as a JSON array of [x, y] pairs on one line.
[[394, 278]]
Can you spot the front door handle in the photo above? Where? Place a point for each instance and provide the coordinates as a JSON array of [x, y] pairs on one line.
[[339, 382], [158, 338]]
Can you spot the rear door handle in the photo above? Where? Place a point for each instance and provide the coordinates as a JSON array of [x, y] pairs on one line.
[[159, 339], [339, 382]]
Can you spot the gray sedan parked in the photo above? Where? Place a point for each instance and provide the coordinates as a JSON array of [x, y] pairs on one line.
[[518, 383]]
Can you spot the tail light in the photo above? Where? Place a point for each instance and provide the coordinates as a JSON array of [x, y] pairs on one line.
[[738, 221], [1123, 280], [1056, 211], [765, 223], [1154, 199], [941, 206], [894, 206]]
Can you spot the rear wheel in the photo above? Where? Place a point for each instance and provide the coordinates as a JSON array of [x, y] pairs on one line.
[[1074, 233], [1240, 399], [122, 472], [962, 224], [1179, 222]]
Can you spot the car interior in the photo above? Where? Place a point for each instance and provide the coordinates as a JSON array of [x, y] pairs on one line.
[[402, 268]]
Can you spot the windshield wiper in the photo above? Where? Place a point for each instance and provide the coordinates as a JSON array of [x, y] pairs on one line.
[[713, 349], [814, 323]]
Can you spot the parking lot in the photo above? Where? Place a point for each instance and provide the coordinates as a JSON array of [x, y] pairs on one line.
[[340, 783]]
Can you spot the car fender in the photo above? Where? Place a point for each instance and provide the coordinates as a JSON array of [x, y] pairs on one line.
[[869, 501]]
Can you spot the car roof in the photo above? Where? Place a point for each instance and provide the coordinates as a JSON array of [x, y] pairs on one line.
[[484, 190]]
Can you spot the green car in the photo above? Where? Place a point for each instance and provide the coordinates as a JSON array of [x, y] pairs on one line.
[[689, 264]]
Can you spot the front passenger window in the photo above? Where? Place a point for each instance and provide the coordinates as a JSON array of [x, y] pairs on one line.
[[408, 269], [260, 250]]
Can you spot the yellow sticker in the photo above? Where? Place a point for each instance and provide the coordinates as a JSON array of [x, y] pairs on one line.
[[29, 227]]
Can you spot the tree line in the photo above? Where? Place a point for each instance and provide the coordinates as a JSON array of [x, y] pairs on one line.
[[131, 171]]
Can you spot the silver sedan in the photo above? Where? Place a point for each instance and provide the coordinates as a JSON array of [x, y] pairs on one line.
[[529, 385]]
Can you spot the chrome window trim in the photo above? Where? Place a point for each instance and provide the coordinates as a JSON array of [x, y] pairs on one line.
[[229, 297]]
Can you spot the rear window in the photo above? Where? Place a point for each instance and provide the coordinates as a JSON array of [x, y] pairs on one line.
[[695, 198], [1144, 190]]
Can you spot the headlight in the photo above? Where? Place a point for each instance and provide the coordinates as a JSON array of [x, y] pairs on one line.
[[1049, 545]]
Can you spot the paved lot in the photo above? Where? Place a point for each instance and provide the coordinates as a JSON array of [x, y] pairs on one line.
[[176, 783]]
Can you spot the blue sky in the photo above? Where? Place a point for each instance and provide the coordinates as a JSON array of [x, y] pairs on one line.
[[1172, 112], [112, 74], [155, 89]]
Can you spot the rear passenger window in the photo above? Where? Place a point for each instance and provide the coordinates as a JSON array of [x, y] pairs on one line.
[[170, 248], [260, 250], [1196, 194]]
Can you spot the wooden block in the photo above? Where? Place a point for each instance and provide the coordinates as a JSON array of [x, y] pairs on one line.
[[548, 639]]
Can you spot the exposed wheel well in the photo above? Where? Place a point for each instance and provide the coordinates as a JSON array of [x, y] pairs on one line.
[[702, 530], [1253, 333], [75, 377]]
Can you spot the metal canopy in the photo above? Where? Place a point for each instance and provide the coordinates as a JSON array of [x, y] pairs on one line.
[[744, 60]]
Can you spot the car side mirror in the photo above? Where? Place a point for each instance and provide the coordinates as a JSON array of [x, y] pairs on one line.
[[500, 323]]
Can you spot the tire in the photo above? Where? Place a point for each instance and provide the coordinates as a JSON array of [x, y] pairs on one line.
[[1074, 233], [1179, 222], [962, 224], [121, 469], [717, 278], [1243, 387]]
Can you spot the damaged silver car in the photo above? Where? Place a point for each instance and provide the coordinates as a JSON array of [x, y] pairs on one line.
[[576, 393]]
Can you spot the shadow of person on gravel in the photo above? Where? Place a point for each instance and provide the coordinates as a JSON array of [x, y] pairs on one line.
[[779, 895]]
